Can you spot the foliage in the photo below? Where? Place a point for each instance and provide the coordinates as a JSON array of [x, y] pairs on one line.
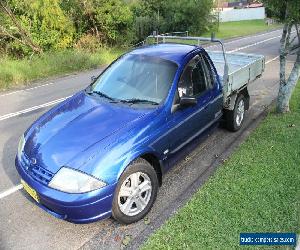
[[109, 21], [46, 23], [278, 9], [257, 190], [43, 25], [88, 43], [167, 16]]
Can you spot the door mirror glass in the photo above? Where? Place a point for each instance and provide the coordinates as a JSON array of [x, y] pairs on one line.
[[93, 78]]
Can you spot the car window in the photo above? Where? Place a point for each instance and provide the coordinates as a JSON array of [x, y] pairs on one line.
[[209, 72], [193, 81], [137, 77]]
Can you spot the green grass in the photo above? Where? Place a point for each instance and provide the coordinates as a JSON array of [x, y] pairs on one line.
[[19, 72], [256, 190], [242, 28], [234, 29]]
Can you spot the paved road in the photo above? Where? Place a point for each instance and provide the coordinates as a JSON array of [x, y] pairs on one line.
[[25, 226]]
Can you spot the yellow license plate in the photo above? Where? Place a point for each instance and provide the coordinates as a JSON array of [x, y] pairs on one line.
[[30, 191]]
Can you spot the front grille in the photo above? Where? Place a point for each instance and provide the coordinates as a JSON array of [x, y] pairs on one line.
[[37, 172], [40, 174]]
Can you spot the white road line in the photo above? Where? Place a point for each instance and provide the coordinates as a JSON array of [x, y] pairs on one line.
[[273, 59], [10, 191], [257, 43], [24, 111], [250, 37], [253, 44], [24, 90], [245, 38]]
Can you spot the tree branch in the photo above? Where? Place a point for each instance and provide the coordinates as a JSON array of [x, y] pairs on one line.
[[295, 47], [6, 33], [288, 35], [297, 31], [293, 40], [22, 32]]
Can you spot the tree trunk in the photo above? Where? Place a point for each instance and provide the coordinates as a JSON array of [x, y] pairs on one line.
[[282, 58], [286, 90], [286, 87]]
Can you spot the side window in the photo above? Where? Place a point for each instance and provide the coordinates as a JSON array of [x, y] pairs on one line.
[[193, 79], [209, 72]]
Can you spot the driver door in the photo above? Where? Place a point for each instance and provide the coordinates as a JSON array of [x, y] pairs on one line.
[[187, 122]]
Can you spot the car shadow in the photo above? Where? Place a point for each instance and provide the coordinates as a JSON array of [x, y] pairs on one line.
[[9, 152]]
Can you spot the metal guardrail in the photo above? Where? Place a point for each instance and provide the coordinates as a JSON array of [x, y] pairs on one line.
[[175, 33]]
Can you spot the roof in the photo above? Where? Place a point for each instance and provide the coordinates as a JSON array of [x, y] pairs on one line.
[[169, 51], [256, 5]]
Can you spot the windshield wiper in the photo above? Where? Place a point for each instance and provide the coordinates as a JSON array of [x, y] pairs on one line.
[[136, 100], [101, 94]]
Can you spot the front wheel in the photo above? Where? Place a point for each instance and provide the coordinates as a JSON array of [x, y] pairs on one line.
[[235, 118], [135, 193]]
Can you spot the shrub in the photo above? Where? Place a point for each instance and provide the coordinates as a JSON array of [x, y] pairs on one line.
[[88, 43]]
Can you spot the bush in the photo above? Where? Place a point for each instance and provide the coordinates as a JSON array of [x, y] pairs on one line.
[[45, 22], [167, 16], [88, 43], [109, 21], [90, 24]]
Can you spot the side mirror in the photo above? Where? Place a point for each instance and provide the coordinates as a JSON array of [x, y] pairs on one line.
[[188, 101], [93, 78]]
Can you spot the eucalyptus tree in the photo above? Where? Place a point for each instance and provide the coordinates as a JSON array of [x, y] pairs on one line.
[[287, 12]]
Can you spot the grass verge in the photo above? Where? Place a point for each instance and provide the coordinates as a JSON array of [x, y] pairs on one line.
[[242, 28], [234, 29], [20, 72], [256, 190]]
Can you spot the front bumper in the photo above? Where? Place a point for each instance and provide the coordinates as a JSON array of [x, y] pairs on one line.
[[77, 208]]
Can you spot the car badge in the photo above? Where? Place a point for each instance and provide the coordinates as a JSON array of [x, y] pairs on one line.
[[33, 161]]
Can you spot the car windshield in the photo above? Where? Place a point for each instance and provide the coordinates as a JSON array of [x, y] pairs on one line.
[[136, 79]]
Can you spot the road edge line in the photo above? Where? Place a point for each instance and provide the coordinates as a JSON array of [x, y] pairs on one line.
[[24, 111], [10, 191]]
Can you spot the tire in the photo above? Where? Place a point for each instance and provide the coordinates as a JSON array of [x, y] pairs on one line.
[[131, 203], [232, 122]]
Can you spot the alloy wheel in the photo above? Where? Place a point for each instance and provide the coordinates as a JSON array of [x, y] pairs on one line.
[[240, 113], [135, 194]]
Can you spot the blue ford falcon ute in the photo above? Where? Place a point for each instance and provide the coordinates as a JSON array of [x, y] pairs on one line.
[[103, 151]]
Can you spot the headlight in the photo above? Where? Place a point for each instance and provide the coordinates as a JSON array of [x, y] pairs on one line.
[[21, 145], [73, 181]]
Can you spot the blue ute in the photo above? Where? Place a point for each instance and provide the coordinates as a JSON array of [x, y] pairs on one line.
[[103, 151]]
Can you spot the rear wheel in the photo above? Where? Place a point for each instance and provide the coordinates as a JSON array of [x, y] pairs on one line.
[[135, 193], [235, 118]]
